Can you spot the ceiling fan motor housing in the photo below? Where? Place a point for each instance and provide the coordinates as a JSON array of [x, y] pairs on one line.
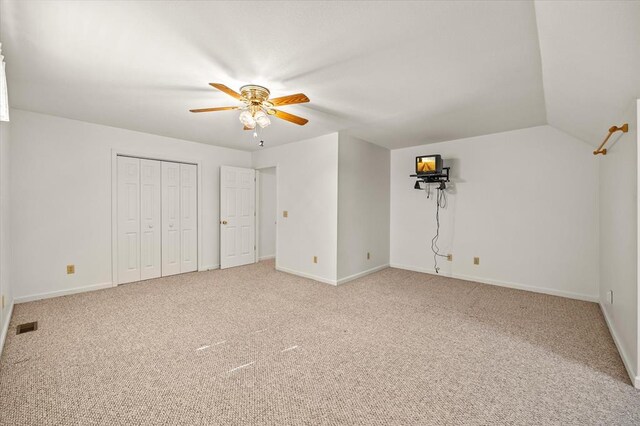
[[254, 94]]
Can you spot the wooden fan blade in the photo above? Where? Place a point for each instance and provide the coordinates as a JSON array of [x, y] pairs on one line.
[[290, 117], [226, 90], [247, 128], [213, 109], [298, 98]]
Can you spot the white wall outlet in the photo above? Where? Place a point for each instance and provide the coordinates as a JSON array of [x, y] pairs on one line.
[[610, 297]]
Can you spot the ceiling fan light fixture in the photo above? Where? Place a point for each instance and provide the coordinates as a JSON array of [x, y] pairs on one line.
[[247, 119], [261, 118]]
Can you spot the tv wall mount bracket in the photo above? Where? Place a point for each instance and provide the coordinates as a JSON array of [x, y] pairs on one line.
[[441, 178]]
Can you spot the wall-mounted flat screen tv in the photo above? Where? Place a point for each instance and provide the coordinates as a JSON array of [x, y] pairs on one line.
[[428, 165]]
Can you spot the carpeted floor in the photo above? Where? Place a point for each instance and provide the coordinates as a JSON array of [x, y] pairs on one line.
[[251, 346]]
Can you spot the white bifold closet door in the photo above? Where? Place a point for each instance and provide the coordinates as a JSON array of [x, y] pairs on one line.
[[128, 220], [188, 218], [157, 219], [150, 190], [179, 218], [170, 218]]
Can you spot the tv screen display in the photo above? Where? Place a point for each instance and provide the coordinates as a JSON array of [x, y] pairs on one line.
[[428, 164]]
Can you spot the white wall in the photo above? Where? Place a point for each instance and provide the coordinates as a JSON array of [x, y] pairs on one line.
[[267, 213], [619, 240], [5, 250], [363, 207], [524, 201], [307, 182], [61, 198]]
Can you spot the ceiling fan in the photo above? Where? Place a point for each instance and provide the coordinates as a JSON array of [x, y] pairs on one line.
[[257, 106]]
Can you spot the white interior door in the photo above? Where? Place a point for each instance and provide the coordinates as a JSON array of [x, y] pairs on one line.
[[150, 224], [237, 216], [188, 218], [170, 218], [128, 220]]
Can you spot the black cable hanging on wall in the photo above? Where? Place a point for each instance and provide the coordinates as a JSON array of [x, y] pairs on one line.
[[441, 202]]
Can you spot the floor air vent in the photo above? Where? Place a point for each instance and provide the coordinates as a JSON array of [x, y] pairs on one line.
[[27, 327]]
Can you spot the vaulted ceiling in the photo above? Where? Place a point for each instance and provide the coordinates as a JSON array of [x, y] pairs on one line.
[[393, 73], [590, 64]]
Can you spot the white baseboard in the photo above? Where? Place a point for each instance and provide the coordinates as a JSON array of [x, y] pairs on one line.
[[362, 274], [635, 379], [267, 257], [543, 290], [48, 295], [5, 327], [329, 281], [305, 275], [31, 298]]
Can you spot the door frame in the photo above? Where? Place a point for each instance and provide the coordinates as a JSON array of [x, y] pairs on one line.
[[259, 212], [147, 155]]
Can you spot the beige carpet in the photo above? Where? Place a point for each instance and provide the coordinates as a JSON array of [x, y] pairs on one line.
[[254, 346]]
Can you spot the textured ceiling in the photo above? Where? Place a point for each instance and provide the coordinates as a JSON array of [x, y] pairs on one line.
[[393, 73]]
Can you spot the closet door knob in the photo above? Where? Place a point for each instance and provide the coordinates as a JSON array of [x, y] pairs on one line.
[[224, 222], [151, 225], [171, 225]]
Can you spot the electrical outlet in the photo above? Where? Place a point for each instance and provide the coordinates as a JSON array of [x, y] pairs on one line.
[[476, 260], [285, 214], [368, 256], [315, 259], [450, 257], [610, 296], [71, 269]]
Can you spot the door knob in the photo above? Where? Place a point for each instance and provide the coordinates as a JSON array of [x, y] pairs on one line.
[[224, 222], [151, 225], [171, 225]]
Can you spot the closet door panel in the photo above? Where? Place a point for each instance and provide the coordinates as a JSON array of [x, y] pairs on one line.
[[170, 218], [188, 218], [128, 220], [150, 219]]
